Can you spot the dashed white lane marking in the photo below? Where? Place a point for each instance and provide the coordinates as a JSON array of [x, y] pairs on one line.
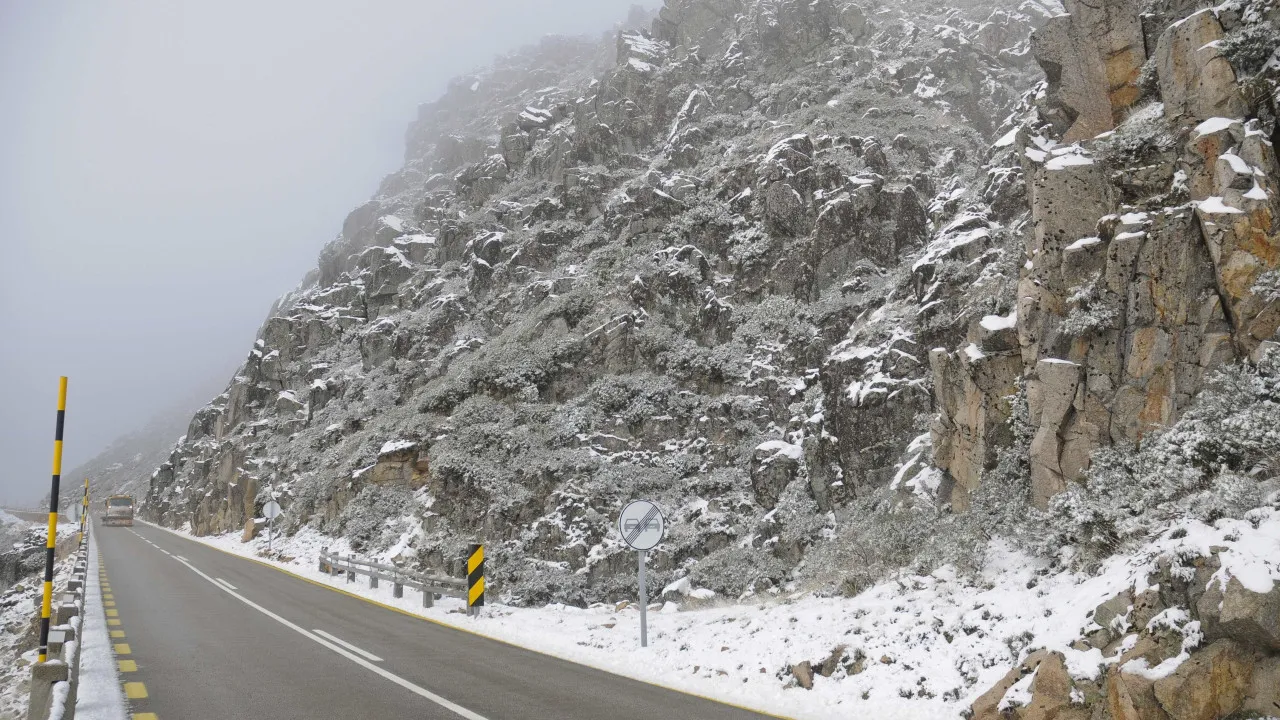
[[181, 558], [420, 691], [368, 655], [227, 584], [166, 552]]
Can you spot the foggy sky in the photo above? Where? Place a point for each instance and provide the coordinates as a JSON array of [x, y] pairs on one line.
[[168, 169]]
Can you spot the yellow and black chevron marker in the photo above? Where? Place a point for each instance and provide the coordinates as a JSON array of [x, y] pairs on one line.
[[475, 580], [47, 603]]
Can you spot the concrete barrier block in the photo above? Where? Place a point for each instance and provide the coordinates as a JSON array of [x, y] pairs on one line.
[[428, 599], [66, 611], [43, 677], [397, 590], [56, 639], [74, 584], [351, 576], [373, 581]]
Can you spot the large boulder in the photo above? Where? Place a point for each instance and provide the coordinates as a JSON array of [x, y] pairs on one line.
[[1209, 685], [1130, 696], [1264, 692], [987, 706], [400, 463], [1236, 612], [1196, 80], [974, 388], [1091, 57], [1053, 694]]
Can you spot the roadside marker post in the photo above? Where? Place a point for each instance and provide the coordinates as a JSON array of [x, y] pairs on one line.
[[642, 527], [270, 511], [52, 540], [475, 580], [84, 511]]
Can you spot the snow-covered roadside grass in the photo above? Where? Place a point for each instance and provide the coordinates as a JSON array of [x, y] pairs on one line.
[[100, 695], [919, 647]]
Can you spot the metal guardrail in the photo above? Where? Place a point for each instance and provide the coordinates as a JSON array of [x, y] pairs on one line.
[[429, 585], [54, 682]]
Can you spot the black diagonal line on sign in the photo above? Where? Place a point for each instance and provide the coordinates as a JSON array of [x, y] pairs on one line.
[[644, 523]]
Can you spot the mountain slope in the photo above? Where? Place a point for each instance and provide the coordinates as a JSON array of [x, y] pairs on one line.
[[583, 287], [847, 290]]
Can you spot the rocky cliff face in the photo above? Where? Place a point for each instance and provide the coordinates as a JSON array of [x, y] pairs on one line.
[[774, 264], [1149, 236]]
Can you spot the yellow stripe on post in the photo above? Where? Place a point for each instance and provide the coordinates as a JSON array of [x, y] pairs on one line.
[[476, 558], [476, 591], [47, 604]]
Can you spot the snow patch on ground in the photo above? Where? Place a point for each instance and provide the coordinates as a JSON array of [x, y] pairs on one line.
[[1215, 206], [392, 446], [994, 323]]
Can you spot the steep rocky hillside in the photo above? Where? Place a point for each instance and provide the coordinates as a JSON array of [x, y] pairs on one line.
[[703, 262], [849, 289], [844, 287]]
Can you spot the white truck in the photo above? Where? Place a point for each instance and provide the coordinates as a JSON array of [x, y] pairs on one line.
[[119, 511]]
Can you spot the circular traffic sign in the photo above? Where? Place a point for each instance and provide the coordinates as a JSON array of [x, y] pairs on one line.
[[642, 525], [271, 510]]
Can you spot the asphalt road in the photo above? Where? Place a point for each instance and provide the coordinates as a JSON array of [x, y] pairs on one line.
[[272, 647]]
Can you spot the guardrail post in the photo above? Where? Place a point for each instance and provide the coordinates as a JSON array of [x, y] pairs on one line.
[[470, 589], [324, 568]]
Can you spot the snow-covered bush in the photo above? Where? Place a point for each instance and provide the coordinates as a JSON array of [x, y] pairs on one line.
[[366, 520], [1249, 47], [1144, 134], [1089, 312], [1267, 286]]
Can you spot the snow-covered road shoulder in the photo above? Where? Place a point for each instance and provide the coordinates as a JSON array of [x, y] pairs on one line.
[[100, 695]]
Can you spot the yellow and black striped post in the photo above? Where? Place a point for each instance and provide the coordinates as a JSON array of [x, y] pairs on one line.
[[84, 511], [475, 580], [52, 540]]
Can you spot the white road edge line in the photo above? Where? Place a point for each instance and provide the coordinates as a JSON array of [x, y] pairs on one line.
[[368, 655], [224, 582], [423, 692]]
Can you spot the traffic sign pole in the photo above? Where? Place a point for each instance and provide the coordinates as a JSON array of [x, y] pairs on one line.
[[644, 605], [271, 510], [642, 527]]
